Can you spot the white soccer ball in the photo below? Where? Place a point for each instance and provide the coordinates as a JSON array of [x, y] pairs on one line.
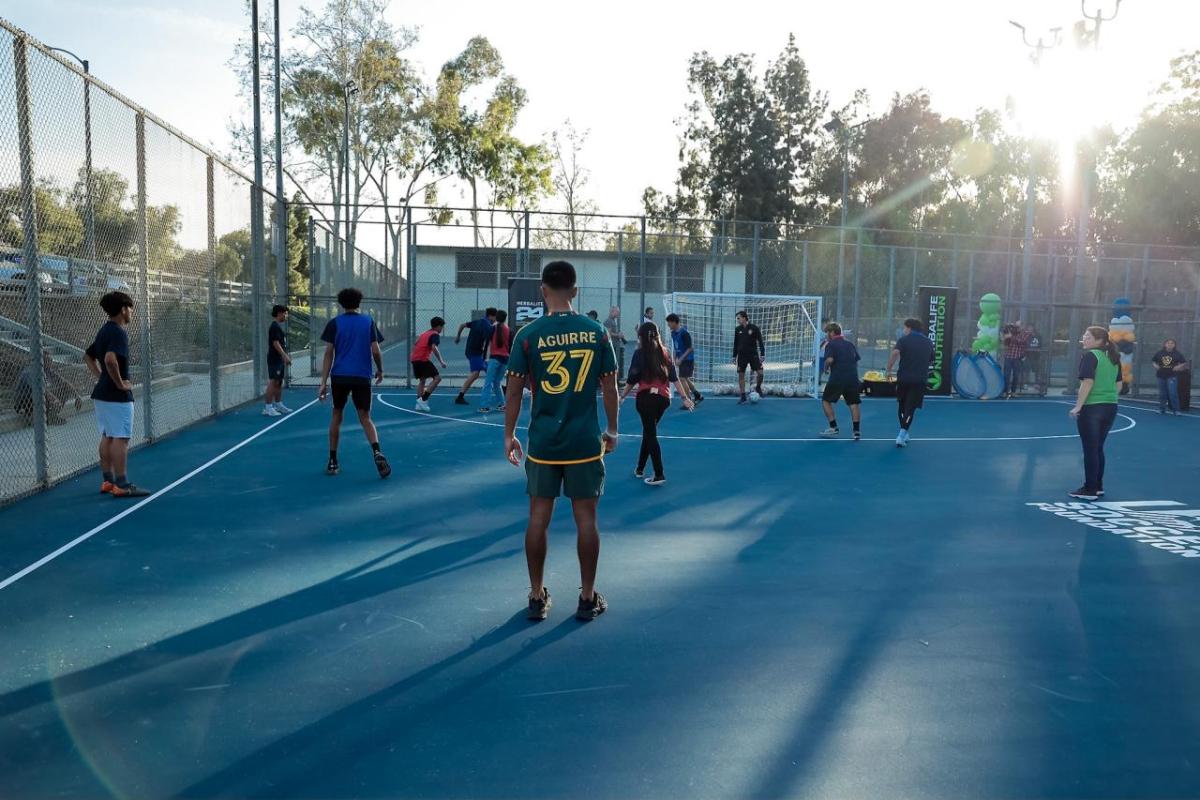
[[789, 390], [754, 397]]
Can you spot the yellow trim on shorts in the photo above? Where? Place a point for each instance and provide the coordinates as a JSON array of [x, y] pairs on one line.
[[566, 463]]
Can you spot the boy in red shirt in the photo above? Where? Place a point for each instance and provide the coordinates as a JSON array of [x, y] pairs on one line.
[[423, 368]]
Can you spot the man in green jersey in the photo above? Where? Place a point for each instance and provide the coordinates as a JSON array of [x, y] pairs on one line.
[[562, 358]]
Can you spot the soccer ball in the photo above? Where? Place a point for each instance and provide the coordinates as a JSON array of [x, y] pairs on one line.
[[789, 390], [754, 397]]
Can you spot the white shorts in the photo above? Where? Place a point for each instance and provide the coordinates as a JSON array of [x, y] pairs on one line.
[[114, 420]]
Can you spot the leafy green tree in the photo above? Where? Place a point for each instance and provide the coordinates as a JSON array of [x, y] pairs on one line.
[[1150, 190], [59, 228]]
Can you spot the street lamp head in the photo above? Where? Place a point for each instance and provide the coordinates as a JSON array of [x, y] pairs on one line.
[[1017, 25]]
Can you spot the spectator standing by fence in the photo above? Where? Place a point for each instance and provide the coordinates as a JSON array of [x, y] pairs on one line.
[[1168, 363]]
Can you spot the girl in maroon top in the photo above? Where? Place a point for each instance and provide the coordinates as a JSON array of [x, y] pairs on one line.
[[652, 373], [498, 349]]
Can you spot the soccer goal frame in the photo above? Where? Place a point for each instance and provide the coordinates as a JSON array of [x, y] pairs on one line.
[[791, 328]]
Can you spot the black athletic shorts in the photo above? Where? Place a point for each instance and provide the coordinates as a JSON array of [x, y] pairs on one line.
[[834, 391], [910, 395], [686, 369], [424, 370], [752, 361], [276, 371], [344, 388]]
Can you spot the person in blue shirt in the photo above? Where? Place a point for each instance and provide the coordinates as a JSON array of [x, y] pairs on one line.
[[351, 344], [841, 360], [477, 342], [914, 351], [685, 357]]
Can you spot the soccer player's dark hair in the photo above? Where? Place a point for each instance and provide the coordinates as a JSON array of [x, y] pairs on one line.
[[834, 328], [501, 316], [114, 303], [914, 324], [490, 312], [277, 309], [652, 354], [350, 299], [672, 317], [558, 276], [744, 315], [436, 322]]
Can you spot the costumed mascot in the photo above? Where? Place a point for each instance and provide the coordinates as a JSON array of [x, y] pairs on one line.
[[1121, 333], [977, 374]]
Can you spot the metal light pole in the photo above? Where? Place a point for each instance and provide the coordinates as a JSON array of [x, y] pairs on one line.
[[350, 89], [1099, 19], [1031, 185], [843, 131], [1086, 168], [257, 267], [89, 214], [281, 265]]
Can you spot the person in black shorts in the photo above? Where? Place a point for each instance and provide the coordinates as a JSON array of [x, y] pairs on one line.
[[749, 350], [351, 344], [277, 363], [423, 353], [914, 351], [841, 360]]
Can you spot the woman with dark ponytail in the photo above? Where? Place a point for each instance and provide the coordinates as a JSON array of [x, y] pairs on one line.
[[1095, 406], [652, 373]]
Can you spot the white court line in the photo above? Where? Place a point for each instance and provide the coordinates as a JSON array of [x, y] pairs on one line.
[[44, 560], [1132, 424]]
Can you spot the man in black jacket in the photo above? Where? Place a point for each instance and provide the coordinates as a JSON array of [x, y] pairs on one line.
[[749, 350]]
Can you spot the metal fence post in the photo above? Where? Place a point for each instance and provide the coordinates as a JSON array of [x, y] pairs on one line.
[[525, 252], [311, 244], [754, 259], [804, 267], [214, 341], [33, 288], [143, 291], [258, 285], [412, 294], [642, 271], [858, 246], [891, 301], [620, 265], [971, 282]]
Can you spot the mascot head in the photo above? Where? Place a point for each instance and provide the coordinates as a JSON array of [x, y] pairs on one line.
[[1120, 329]]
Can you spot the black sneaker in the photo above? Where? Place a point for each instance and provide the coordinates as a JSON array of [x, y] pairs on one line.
[[1083, 493], [743, 401], [1100, 492], [857, 436], [381, 464], [539, 607], [639, 474], [698, 399], [461, 401], [331, 468], [656, 480], [589, 611]]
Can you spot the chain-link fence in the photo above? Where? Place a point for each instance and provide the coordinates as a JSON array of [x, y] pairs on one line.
[[99, 195], [869, 279]]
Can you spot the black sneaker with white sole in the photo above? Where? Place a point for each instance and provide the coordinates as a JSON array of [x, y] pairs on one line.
[[639, 474], [539, 607], [589, 610], [1084, 493], [656, 480], [381, 464], [331, 468]]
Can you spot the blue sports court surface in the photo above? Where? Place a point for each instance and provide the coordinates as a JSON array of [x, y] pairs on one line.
[[789, 616]]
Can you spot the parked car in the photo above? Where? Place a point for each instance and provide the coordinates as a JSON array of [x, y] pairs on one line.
[[16, 282]]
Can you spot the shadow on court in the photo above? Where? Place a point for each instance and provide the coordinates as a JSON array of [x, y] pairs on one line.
[[788, 619]]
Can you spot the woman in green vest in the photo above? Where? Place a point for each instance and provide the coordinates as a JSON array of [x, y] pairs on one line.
[[1095, 406]]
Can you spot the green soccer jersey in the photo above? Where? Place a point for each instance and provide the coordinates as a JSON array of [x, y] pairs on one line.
[[562, 357]]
